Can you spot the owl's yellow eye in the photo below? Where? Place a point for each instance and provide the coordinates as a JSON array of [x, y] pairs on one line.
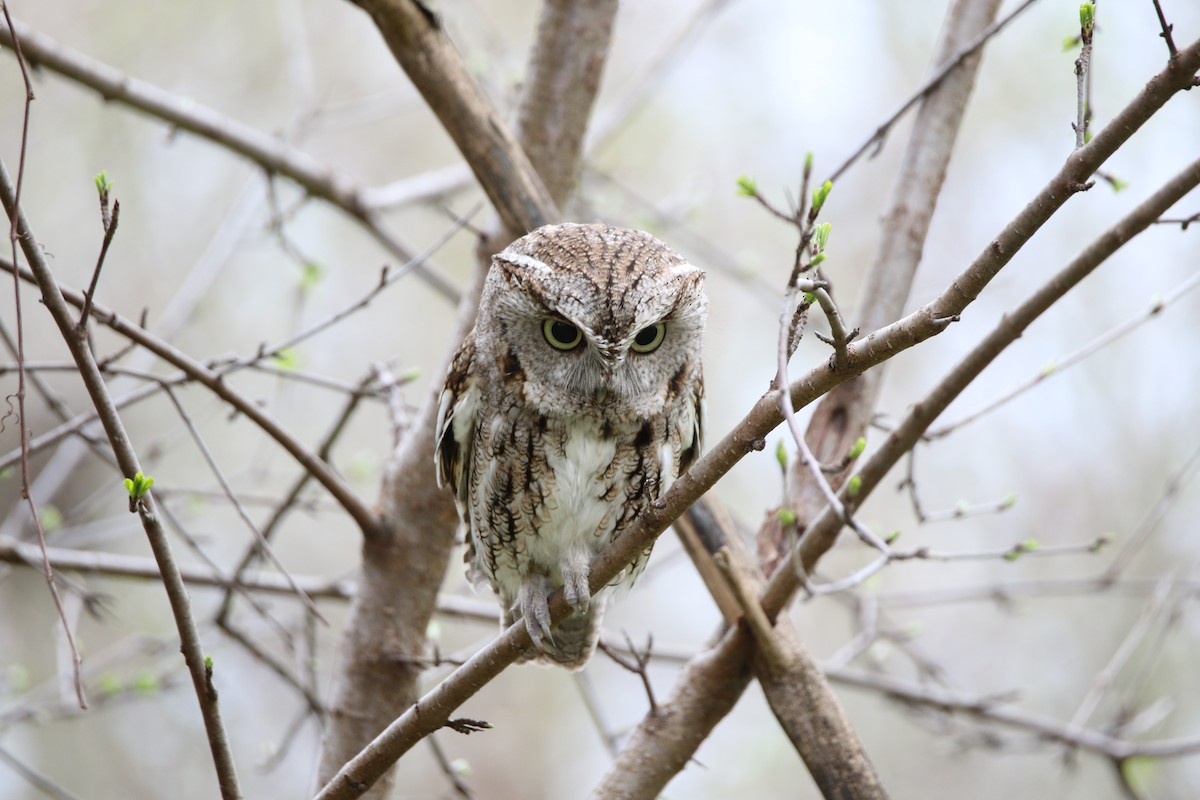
[[561, 334], [649, 338]]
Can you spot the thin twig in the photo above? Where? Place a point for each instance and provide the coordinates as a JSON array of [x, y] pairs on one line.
[[877, 138], [110, 230], [1058, 366], [637, 664], [1166, 29], [291, 499], [454, 775], [359, 511], [1083, 80], [16, 233], [317, 179], [200, 671], [1105, 677], [35, 778], [264, 546], [1182, 222]]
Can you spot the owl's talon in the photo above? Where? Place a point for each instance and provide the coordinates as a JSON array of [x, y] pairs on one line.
[[535, 610], [575, 589]]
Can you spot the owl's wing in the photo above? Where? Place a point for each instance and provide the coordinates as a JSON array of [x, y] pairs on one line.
[[689, 451], [458, 408]]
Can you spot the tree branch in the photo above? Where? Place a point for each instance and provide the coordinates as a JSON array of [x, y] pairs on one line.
[[404, 568], [200, 671], [363, 516], [414, 34], [434, 708], [269, 152]]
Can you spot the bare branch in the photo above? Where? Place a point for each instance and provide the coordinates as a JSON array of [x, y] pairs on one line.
[[17, 229], [817, 540], [213, 380], [271, 153], [415, 36], [1166, 29], [201, 672], [435, 707], [947, 67]]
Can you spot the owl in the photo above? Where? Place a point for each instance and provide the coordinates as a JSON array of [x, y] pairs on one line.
[[572, 405]]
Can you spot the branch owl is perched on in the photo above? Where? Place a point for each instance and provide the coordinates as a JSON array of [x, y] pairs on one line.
[[573, 404]]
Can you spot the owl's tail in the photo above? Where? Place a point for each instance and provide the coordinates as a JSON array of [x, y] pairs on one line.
[[575, 637]]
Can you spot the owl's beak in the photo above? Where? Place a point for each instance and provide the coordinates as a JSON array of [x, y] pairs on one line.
[[607, 362]]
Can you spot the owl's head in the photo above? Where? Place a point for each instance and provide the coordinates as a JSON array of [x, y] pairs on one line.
[[588, 316]]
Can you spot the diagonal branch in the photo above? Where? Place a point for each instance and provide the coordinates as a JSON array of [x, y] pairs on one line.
[[269, 152], [415, 36], [193, 653], [403, 567], [366, 519], [435, 707]]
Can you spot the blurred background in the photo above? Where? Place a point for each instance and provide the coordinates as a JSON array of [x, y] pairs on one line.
[[221, 263]]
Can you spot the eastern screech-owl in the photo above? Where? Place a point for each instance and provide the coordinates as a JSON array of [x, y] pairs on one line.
[[571, 406]]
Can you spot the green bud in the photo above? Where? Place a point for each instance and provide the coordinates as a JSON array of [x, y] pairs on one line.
[[809, 297], [821, 235], [747, 187], [893, 536], [1020, 548], [854, 485], [460, 766], [138, 485], [409, 375], [145, 683], [1117, 184], [16, 678], [1008, 502], [287, 359], [1070, 43], [781, 455], [1050, 368], [820, 194], [109, 683], [103, 184], [818, 259], [310, 275], [1087, 17], [860, 444], [208, 664], [786, 516], [52, 518], [808, 161]]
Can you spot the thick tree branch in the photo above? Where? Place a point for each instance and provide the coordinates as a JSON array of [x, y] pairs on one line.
[[414, 34], [404, 567], [823, 532], [434, 709], [564, 76]]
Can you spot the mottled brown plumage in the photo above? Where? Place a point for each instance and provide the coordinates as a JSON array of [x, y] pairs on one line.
[[572, 405]]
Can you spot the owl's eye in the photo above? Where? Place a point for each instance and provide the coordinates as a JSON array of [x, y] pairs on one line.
[[649, 338], [561, 334]]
